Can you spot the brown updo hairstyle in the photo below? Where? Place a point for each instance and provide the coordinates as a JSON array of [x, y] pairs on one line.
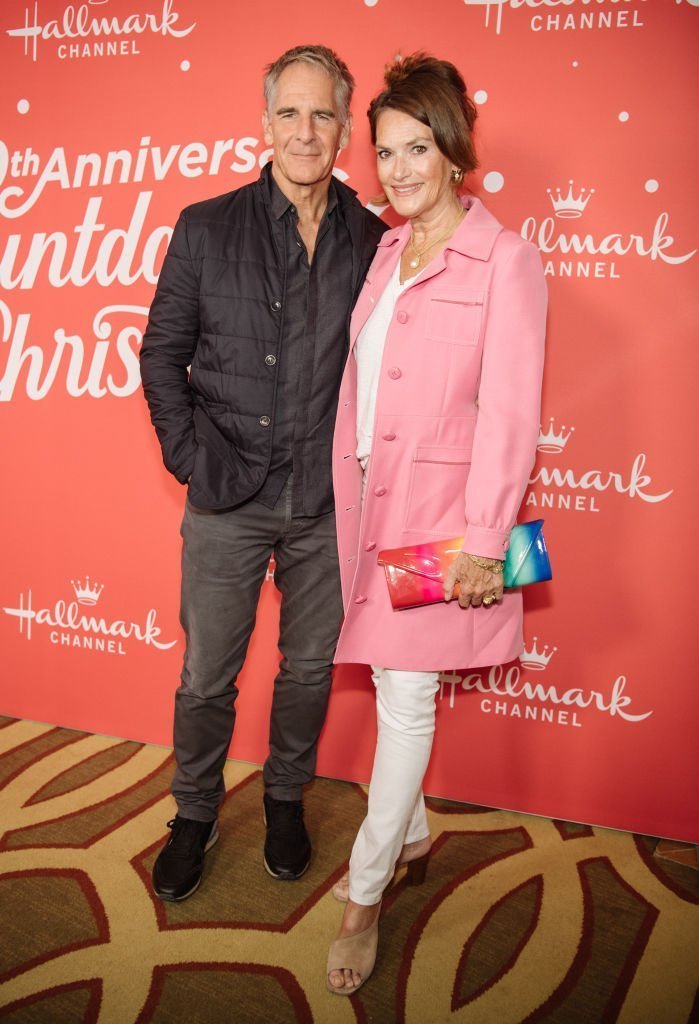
[[434, 93]]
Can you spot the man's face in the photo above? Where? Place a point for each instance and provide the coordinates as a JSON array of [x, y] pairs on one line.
[[302, 124]]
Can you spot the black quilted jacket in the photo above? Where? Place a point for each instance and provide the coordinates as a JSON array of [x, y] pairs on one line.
[[216, 316]]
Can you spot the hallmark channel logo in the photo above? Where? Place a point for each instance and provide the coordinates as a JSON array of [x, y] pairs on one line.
[[581, 490], [579, 15], [66, 624], [552, 440], [505, 691], [87, 593], [579, 253], [569, 205], [79, 31], [536, 660]]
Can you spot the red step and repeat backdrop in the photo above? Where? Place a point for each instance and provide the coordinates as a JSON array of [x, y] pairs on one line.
[[115, 114]]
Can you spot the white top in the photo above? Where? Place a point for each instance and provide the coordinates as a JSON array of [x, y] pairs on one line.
[[368, 352]]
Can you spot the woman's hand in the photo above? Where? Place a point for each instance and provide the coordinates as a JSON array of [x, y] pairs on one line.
[[477, 585]]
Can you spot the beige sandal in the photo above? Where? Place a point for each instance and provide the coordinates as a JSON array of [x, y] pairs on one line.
[[353, 953], [416, 871]]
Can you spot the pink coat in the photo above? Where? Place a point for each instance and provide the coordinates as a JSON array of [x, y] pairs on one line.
[[457, 420]]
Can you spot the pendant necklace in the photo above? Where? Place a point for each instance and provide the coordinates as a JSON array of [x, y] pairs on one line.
[[415, 261]]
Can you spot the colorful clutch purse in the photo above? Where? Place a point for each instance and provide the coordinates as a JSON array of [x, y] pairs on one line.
[[415, 574]]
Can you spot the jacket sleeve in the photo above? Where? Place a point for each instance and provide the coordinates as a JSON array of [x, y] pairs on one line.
[[169, 343], [509, 397]]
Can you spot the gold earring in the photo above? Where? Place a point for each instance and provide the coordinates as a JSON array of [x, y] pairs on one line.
[[456, 174]]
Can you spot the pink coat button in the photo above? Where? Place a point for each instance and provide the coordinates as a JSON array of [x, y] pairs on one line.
[[389, 436], [379, 491], [360, 599], [402, 317], [395, 372], [370, 545]]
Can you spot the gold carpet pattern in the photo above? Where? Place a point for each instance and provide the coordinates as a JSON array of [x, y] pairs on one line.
[[520, 919]]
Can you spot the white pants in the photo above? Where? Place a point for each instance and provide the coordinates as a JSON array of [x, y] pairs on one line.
[[405, 712]]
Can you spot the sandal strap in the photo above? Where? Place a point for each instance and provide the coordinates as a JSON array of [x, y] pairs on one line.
[[355, 953]]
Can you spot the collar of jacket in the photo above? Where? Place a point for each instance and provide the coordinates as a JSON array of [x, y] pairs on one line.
[[475, 236], [353, 214], [346, 196]]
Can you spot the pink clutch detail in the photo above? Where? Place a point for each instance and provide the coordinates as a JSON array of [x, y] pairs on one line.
[[415, 574]]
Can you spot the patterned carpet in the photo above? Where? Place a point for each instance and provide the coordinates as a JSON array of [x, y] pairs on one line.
[[520, 918]]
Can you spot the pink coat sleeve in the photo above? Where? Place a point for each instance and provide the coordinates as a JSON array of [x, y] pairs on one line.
[[509, 397]]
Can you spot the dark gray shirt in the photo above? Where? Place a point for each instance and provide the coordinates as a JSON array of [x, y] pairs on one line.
[[317, 301]]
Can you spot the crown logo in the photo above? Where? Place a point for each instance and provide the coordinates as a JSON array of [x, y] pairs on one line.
[[87, 593], [551, 441], [570, 205], [534, 659]]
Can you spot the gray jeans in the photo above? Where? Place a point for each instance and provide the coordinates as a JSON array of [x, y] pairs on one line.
[[224, 560]]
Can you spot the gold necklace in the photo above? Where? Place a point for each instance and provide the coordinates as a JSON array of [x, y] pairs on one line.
[[415, 261]]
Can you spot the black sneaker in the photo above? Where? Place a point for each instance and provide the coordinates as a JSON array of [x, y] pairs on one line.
[[178, 868], [287, 846]]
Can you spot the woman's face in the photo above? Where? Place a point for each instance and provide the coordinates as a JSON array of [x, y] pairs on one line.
[[415, 175]]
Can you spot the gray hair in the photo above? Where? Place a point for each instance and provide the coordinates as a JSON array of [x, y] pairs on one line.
[[321, 57]]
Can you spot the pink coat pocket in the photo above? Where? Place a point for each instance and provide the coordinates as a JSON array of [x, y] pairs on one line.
[[455, 316], [437, 490]]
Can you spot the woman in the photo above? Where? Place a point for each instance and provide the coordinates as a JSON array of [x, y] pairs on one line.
[[435, 437]]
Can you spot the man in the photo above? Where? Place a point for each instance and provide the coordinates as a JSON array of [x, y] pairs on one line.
[[241, 364]]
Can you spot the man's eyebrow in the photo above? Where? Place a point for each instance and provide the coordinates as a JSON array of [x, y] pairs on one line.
[[327, 112]]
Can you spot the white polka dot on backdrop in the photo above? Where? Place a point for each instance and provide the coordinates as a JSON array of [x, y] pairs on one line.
[[493, 181]]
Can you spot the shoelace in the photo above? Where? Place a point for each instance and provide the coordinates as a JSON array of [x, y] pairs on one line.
[[186, 835]]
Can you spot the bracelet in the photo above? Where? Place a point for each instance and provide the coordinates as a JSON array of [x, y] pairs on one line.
[[494, 565]]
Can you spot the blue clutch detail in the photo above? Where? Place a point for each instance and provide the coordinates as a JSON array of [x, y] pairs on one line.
[[527, 560]]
